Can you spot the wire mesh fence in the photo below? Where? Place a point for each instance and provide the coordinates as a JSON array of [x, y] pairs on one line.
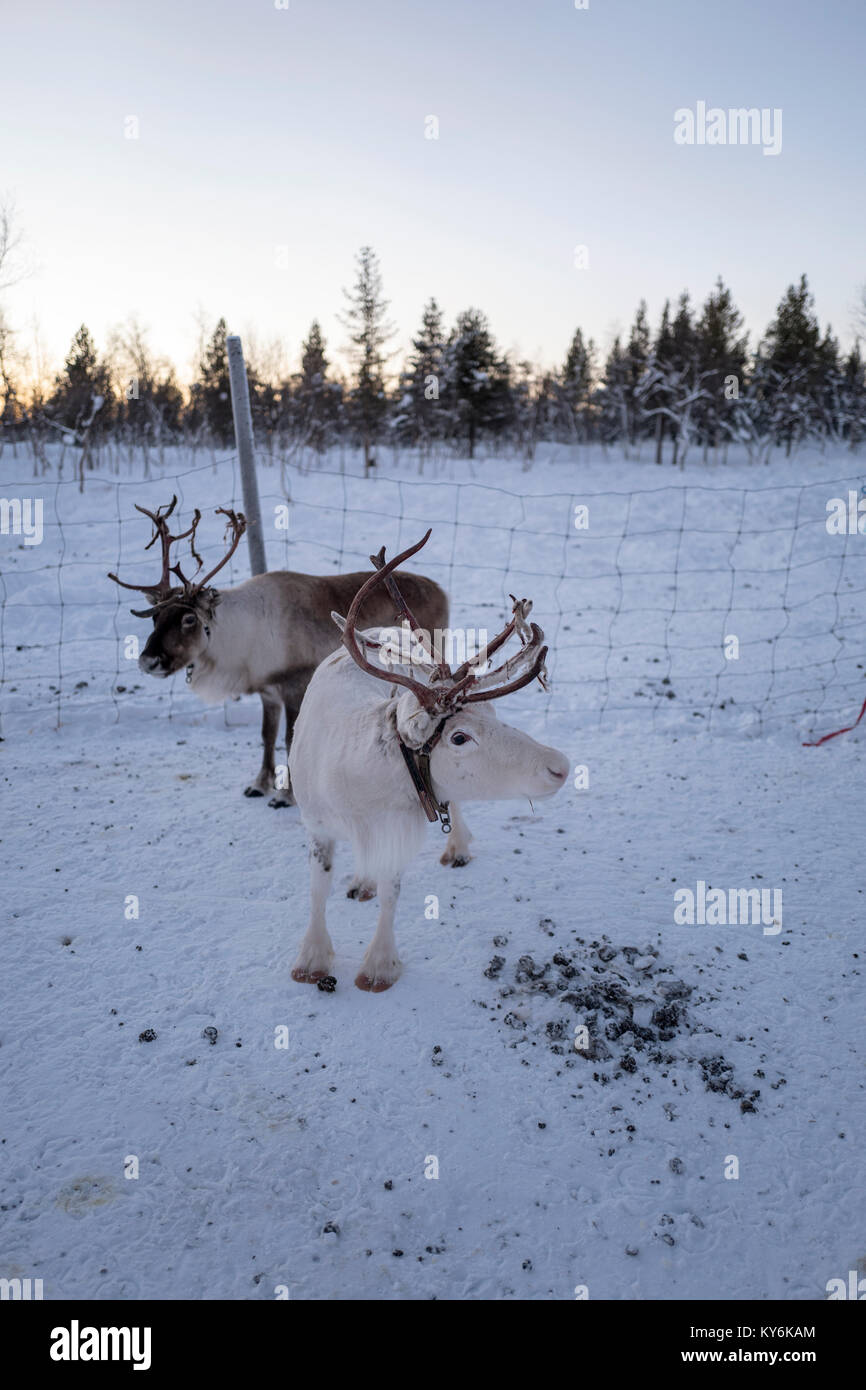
[[680, 605]]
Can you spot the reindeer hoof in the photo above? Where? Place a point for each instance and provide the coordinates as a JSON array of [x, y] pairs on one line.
[[253, 791], [457, 861], [373, 984], [278, 801], [309, 977], [361, 891]]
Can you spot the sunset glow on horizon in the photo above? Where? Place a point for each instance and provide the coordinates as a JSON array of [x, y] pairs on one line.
[[182, 163]]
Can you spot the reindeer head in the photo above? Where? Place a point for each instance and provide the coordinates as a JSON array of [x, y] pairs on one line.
[[181, 613], [448, 717]]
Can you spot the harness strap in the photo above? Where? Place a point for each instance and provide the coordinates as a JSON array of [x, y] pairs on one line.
[[418, 763], [191, 667]]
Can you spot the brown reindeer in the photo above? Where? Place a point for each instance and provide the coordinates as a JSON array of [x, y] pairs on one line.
[[265, 636]]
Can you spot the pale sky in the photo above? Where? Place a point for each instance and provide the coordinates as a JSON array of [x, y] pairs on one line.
[[275, 142]]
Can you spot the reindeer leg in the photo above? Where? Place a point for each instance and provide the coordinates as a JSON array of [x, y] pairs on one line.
[[270, 728], [284, 796], [381, 965], [457, 845], [317, 952]]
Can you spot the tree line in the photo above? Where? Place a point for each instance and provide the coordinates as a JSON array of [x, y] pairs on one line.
[[692, 381]]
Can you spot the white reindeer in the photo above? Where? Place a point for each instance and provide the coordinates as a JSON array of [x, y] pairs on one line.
[[372, 767]]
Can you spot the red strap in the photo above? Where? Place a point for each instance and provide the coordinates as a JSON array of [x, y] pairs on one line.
[[839, 731]]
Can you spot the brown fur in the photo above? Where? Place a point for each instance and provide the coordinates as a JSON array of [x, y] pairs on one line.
[[268, 635]]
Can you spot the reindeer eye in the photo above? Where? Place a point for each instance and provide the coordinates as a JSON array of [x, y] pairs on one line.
[[459, 738], [189, 620]]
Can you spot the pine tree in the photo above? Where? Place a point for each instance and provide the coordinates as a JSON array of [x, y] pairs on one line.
[[792, 362], [721, 353], [525, 410], [826, 393], [476, 380], [615, 395], [657, 396], [577, 383], [83, 398], [683, 377], [314, 395], [167, 404], [421, 415], [636, 362], [212, 390], [672, 386], [853, 397], [507, 380], [369, 331]]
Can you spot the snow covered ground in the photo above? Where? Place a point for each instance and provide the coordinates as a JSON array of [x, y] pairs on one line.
[[446, 1139]]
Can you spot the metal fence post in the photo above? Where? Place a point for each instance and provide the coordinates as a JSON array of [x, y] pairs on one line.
[[246, 453]]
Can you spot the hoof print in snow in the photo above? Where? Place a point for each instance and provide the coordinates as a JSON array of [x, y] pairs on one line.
[[211, 1034], [530, 973], [495, 967]]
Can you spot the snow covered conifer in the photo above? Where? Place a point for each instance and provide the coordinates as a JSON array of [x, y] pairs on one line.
[[212, 391], [314, 402], [721, 350], [577, 383], [422, 411], [471, 376], [369, 331]]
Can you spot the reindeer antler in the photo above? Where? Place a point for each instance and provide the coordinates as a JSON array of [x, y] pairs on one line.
[[529, 661], [448, 690], [441, 667], [425, 694], [161, 532], [163, 588], [237, 524]]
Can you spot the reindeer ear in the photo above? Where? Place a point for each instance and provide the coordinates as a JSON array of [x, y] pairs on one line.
[[415, 724], [366, 641]]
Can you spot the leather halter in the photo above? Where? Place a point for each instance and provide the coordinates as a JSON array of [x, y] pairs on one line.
[[417, 761]]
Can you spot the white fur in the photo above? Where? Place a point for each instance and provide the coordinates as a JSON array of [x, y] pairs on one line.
[[351, 783]]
